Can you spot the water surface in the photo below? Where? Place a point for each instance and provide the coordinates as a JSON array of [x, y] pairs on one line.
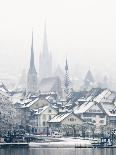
[[54, 151]]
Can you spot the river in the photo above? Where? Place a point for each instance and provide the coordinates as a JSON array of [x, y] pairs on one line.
[[41, 151]]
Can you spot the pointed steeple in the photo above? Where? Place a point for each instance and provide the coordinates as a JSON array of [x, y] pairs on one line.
[[32, 81], [45, 43], [32, 65], [66, 79], [66, 66], [45, 59]]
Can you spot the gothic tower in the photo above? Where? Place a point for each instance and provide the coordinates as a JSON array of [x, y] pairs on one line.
[[89, 80], [45, 59], [66, 79], [32, 82]]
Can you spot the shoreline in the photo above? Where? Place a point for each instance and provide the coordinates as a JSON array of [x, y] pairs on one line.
[[59, 143], [48, 145]]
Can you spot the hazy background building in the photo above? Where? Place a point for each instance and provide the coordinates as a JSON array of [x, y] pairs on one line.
[[32, 81], [45, 59]]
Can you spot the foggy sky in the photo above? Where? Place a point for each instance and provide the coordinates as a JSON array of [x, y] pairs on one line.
[[84, 31]]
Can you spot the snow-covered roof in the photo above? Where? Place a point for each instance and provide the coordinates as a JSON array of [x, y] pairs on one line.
[[59, 103], [93, 93], [103, 95], [3, 88], [60, 117], [83, 108], [110, 99], [40, 110], [110, 109], [81, 100], [30, 103], [14, 101]]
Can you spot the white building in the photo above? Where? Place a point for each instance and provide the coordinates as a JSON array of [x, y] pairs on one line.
[[91, 112], [63, 120], [39, 120]]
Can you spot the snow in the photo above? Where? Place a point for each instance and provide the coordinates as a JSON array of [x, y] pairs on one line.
[[64, 143], [103, 95], [109, 108], [41, 110], [83, 108], [81, 100], [59, 118], [109, 98], [30, 103]]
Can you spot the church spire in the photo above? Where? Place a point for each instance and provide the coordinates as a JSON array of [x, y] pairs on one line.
[[45, 43], [32, 65], [32, 81], [66, 66], [66, 78]]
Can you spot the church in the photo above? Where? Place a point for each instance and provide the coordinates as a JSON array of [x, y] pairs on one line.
[[35, 80], [45, 59], [32, 81]]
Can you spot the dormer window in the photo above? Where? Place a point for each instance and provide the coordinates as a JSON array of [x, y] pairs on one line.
[[113, 111]]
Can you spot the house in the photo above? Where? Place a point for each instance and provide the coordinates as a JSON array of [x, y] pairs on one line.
[[40, 117], [110, 110], [65, 122], [36, 103], [92, 112], [28, 107]]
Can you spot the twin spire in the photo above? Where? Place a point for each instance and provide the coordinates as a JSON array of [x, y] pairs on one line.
[[32, 65], [45, 43], [45, 50]]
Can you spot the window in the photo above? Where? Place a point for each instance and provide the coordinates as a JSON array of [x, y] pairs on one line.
[[49, 117], [49, 110], [88, 119], [72, 119], [102, 116], [87, 115], [94, 121], [44, 123], [113, 111], [101, 121]]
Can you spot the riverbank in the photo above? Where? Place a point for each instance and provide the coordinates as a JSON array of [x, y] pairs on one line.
[[63, 143], [55, 143], [14, 145]]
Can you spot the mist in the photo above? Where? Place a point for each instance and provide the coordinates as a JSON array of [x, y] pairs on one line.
[[83, 31]]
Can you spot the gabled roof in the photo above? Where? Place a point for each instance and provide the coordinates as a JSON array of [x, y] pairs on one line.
[[40, 110], [110, 109], [74, 96], [109, 98], [83, 108], [3, 88], [27, 105], [59, 118], [93, 93], [104, 95]]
